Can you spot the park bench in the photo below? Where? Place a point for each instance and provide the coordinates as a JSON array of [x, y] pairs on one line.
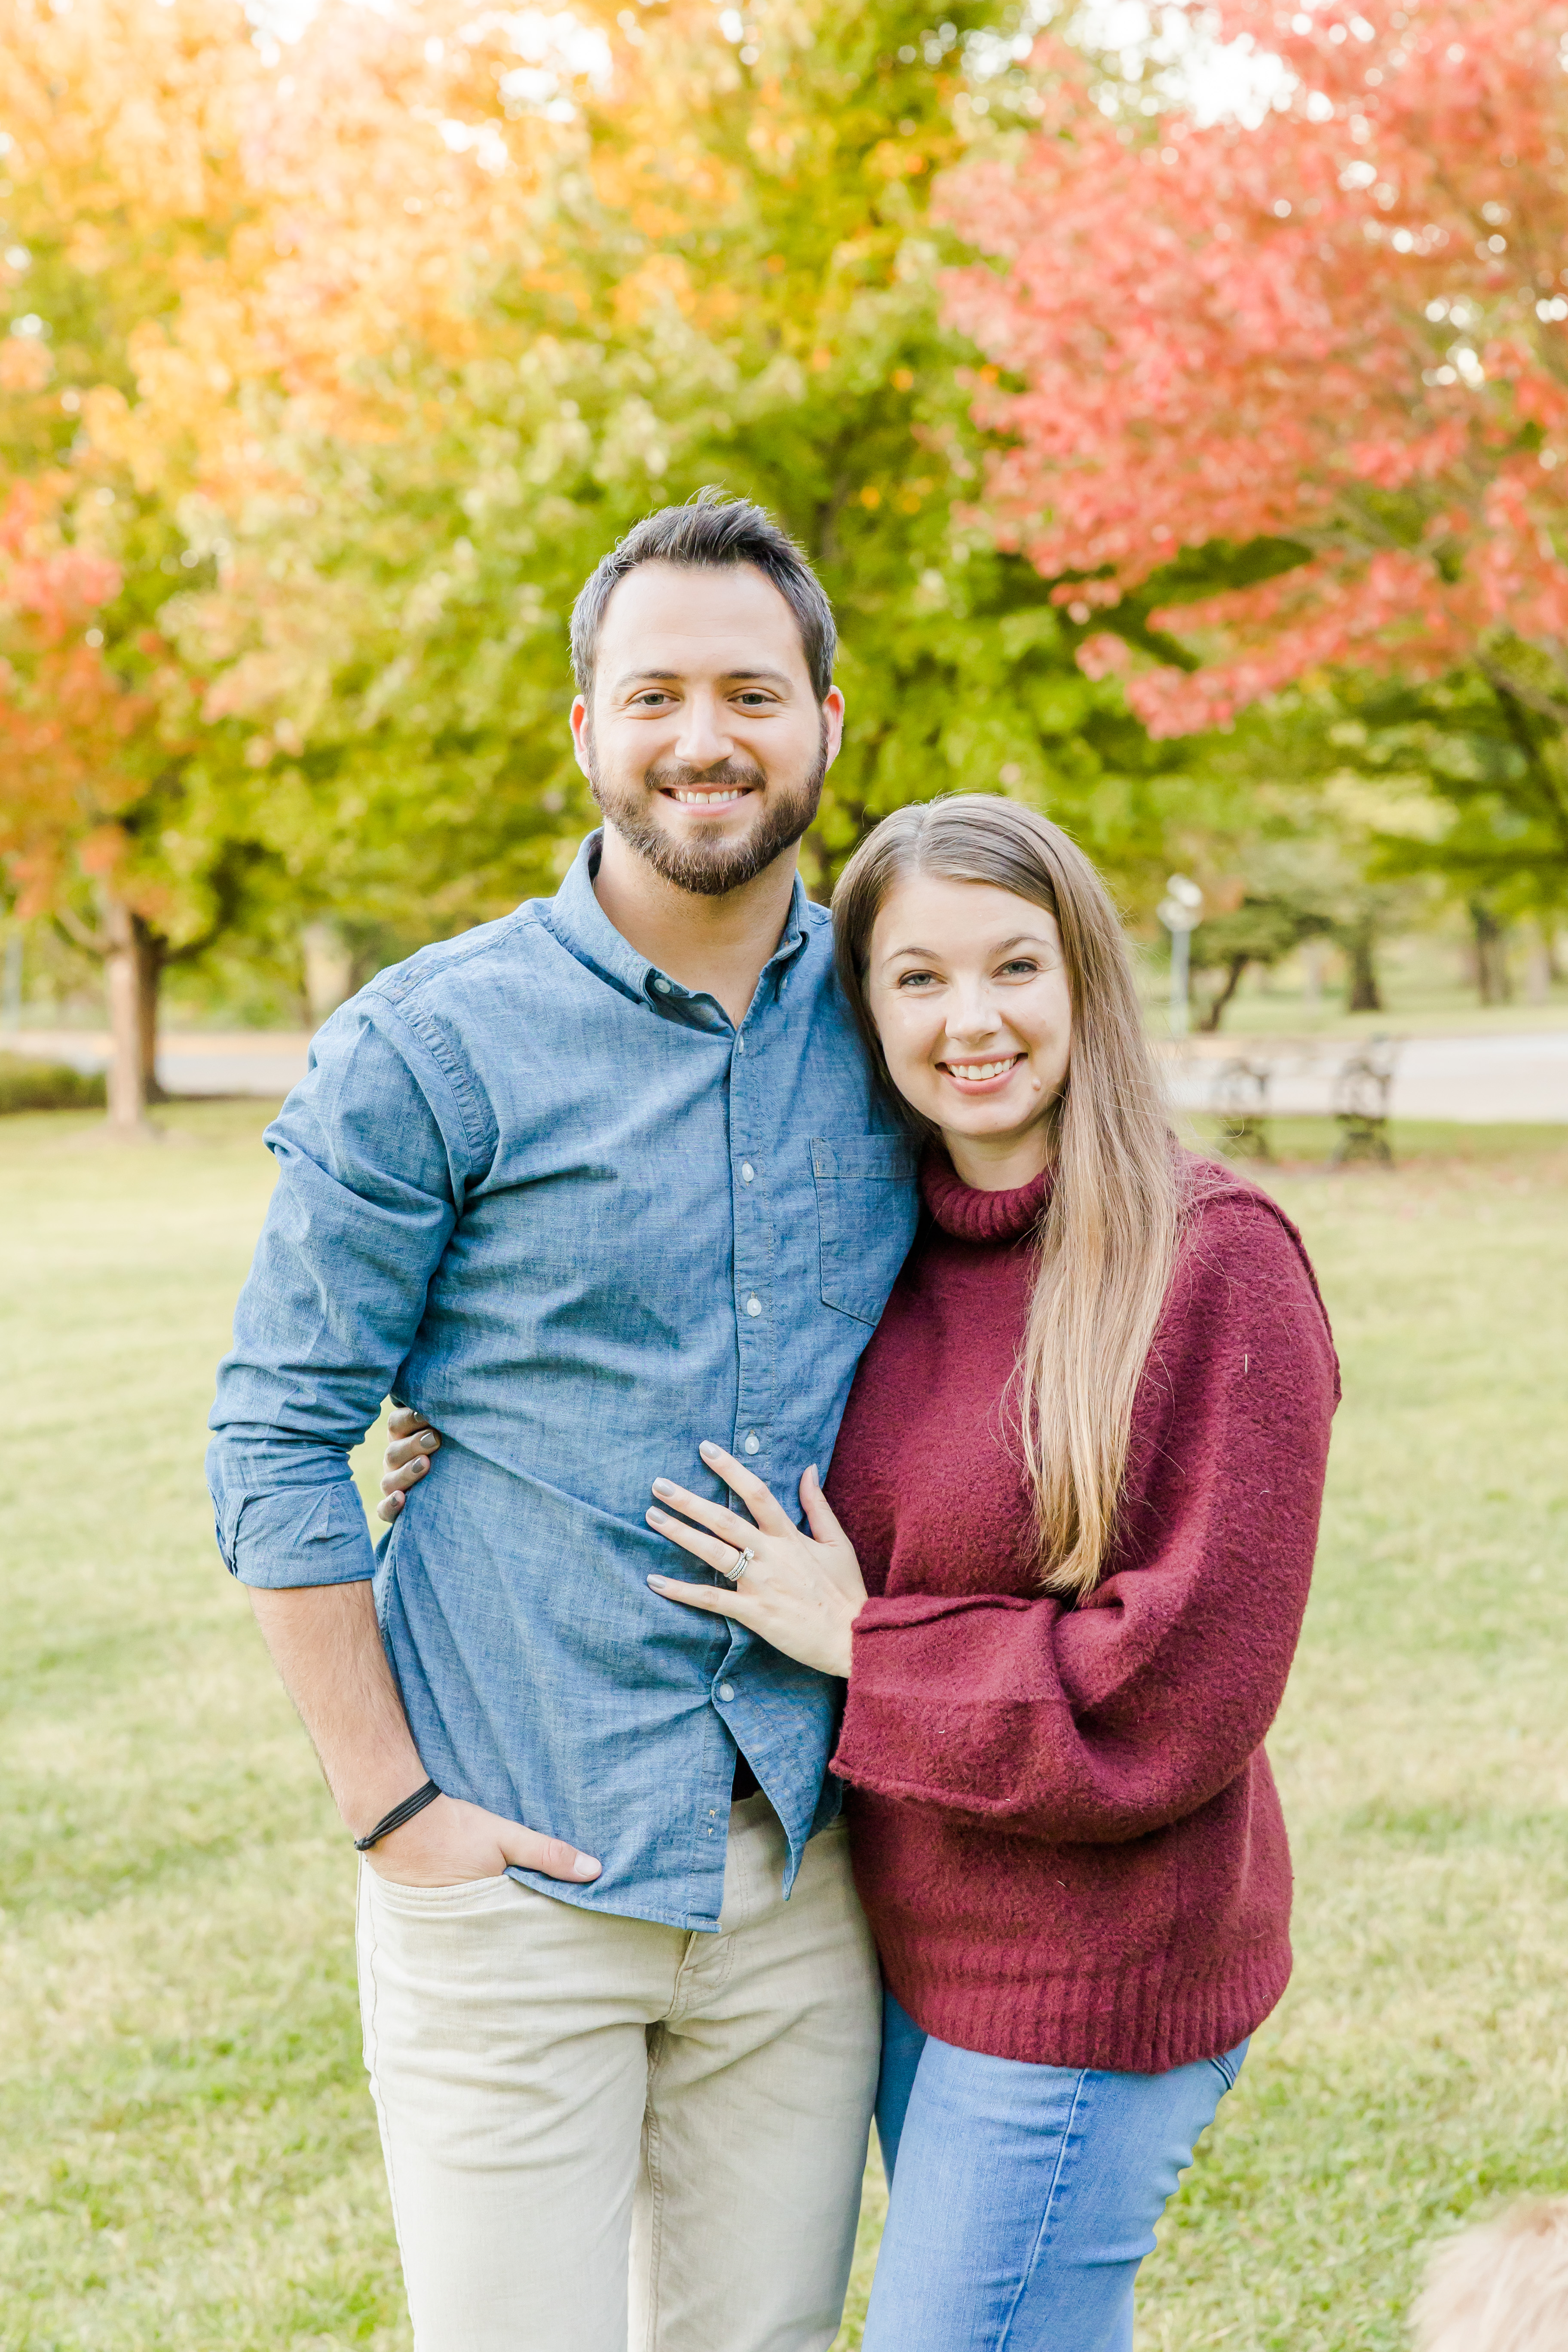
[[1363, 1086], [1360, 1091]]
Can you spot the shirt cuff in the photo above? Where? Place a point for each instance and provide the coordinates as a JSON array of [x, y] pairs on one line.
[[303, 1536]]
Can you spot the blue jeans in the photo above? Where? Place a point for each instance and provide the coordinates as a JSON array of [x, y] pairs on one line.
[[1024, 2198]]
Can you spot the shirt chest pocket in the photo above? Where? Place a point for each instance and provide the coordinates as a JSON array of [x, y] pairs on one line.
[[866, 1214]]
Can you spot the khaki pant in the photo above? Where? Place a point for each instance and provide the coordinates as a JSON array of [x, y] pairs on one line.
[[601, 2132]]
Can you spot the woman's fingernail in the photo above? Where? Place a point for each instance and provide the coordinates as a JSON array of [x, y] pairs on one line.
[[707, 1446], [662, 1486], [659, 1582], [817, 1474]]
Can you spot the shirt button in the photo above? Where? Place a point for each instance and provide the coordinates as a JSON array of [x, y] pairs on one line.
[[661, 984], [747, 1172], [726, 1692], [753, 1443], [754, 1305]]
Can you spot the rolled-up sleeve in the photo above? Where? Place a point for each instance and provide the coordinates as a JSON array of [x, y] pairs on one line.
[[373, 1158]]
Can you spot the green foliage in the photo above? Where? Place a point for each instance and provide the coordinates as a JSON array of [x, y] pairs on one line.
[[1497, 768], [408, 618]]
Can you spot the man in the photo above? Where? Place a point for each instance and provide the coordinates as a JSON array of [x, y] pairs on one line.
[[592, 1184]]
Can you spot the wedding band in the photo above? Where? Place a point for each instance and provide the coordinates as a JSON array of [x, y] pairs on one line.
[[742, 1562]]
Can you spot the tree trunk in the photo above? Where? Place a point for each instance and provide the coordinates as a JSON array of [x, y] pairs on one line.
[[150, 949], [127, 1095], [1492, 982], [329, 970], [1214, 1012], [1312, 958], [1366, 996], [1538, 972]]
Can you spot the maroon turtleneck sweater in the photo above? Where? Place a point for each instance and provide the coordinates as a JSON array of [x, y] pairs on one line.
[[1064, 1827]]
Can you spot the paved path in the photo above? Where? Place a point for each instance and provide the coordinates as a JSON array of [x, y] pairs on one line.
[[1521, 1076], [1478, 1080], [246, 1062]]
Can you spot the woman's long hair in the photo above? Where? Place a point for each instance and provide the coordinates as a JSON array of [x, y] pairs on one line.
[[1109, 1235]]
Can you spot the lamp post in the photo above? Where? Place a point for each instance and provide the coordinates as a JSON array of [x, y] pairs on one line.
[[1181, 911]]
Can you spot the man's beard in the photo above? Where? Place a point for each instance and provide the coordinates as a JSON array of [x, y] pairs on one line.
[[710, 870]]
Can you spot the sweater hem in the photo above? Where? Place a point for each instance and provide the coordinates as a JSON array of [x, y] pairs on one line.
[[1146, 2020]]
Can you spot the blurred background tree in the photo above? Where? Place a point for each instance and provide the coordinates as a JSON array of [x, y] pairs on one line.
[[125, 821], [1288, 408], [732, 277], [1214, 509]]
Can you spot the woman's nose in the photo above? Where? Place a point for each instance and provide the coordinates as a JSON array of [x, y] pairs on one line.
[[972, 1017]]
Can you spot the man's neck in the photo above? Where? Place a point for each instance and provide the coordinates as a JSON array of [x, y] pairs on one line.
[[716, 947]]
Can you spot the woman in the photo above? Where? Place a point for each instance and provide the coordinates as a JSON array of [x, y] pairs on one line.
[[1060, 1565]]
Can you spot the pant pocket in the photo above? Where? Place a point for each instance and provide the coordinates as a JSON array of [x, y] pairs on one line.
[[465, 1896], [1229, 2066]]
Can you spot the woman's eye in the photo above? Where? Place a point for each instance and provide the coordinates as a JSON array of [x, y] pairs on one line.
[[916, 979], [1020, 968]]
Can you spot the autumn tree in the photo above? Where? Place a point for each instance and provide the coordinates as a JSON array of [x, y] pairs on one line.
[[723, 271], [122, 816], [1290, 401]]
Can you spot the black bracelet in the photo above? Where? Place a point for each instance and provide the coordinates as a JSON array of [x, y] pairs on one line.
[[398, 1816]]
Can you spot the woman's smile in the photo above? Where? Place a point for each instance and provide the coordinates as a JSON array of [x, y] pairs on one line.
[[988, 1077]]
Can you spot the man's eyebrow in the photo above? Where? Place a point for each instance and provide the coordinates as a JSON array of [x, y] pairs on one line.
[[728, 676]]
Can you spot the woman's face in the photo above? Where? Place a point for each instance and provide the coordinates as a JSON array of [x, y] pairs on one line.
[[969, 992]]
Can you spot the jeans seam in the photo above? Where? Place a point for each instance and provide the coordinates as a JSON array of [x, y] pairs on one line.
[[1001, 2341]]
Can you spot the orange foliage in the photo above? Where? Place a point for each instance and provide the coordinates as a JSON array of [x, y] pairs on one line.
[[1342, 330]]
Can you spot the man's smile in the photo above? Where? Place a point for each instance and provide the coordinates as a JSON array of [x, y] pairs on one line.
[[712, 799]]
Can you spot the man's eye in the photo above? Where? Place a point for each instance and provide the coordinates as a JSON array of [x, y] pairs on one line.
[[755, 701], [649, 701]]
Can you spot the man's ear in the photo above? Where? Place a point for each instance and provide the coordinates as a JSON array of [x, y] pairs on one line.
[[581, 732], [833, 722]]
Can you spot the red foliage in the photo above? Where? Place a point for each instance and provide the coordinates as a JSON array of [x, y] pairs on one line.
[[65, 716], [1344, 329]]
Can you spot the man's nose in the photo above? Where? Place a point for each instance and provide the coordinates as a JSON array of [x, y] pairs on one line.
[[704, 738]]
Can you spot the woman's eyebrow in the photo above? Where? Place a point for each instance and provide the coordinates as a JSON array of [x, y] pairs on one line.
[[1018, 940]]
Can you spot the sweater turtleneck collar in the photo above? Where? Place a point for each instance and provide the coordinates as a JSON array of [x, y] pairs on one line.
[[972, 1216]]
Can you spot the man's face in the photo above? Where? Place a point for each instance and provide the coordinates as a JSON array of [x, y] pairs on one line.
[[705, 746]]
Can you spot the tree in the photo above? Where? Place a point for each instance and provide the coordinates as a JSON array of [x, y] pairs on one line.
[[122, 816], [727, 276], [1292, 399]]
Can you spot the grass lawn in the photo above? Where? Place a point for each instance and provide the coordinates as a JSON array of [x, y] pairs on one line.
[[187, 2155]]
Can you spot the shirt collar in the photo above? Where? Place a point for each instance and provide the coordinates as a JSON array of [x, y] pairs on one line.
[[582, 925]]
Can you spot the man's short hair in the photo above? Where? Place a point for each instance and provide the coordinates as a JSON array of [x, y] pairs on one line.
[[711, 531]]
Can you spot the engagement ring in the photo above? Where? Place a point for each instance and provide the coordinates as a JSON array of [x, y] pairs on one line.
[[742, 1562]]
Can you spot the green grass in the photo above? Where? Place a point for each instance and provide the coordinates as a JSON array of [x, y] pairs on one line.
[[187, 2155]]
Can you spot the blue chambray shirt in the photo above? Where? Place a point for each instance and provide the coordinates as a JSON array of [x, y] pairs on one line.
[[536, 1187]]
